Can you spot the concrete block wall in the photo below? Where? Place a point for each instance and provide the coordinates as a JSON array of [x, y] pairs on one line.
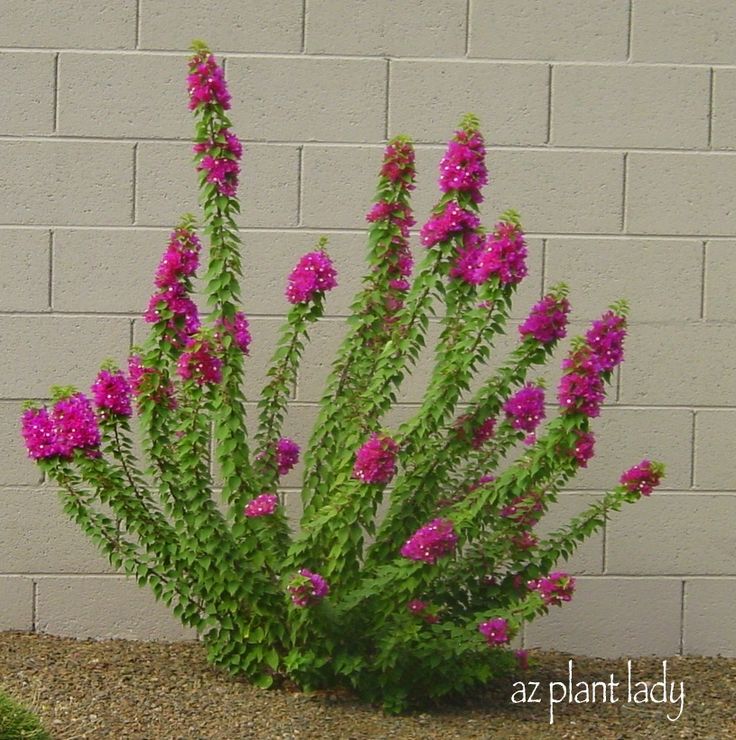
[[611, 129]]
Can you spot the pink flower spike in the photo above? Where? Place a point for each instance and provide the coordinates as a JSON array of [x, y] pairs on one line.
[[262, 505], [547, 320], [431, 542], [39, 434], [642, 478], [375, 461], [313, 275], [525, 409], [199, 363], [112, 393], [308, 588], [496, 631], [287, 455]]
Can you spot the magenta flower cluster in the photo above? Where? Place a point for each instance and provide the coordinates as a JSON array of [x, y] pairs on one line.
[[180, 260], [452, 221], [239, 329], [220, 162], [111, 393], [463, 167], [200, 363], [287, 455], [584, 448], [139, 376], [581, 387], [70, 425], [496, 631], [375, 461], [398, 163], [525, 409], [502, 254], [642, 478], [606, 340], [206, 83], [263, 505], [431, 542], [554, 588], [547, 321], [524, 510], [309, 589], [422, 610], [312, 275]]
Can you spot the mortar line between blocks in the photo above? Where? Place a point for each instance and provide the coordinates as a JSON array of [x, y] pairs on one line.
[[711, 89], [623, 192], [304, 26], [682, 617], [138, 24], [467, 28], [693, 430], [134, 207], [51, 270], [549, 104], [34, 605], [388, 97], [703, 275], [629, 30], [56, 93]]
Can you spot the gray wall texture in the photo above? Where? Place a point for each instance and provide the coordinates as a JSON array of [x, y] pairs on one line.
[[612, 129]]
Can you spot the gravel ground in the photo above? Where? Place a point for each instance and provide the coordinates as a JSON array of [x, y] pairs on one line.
[[119, 689]]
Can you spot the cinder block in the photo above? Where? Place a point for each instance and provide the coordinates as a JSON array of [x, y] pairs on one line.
[[625, 436], [588, 557], [686, 364], [16, 603], [24, 278], [674, 534], [720, 263], [684, 193], [706, 632], [27, 91], [36, 536], [617, 105], [425, 28], [104, 607], [70, 24], [141, 95], [66, 183], [236, 26], [308, 99], [601, 271], [612, 618], [44, 351], [590, 30], [715, 449], [673, 31], [167, 185], [420, 91], [724, 109], [116, 267], [18, 469]]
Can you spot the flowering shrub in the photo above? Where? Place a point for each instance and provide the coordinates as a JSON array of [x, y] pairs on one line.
[[422, 601]]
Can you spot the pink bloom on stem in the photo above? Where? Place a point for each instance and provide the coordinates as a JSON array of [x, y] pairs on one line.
[[137, 374], [309, 589], [606, 340], [463, 166], [525, 409], [547, 320], [525, 541], [642, 478], [39, 433], [451, 222], [262, 505], [76, 424], [581, 387], [180, 260], [184, 320], [504, 255], [313, 274], [431, 541], [199, 363], [484, 480], [398, 163], [421, 609], [239, 329], [287, 455], [496, 631], [525, 510], [584, 448], [206, 83], [483, 433], [375, 461], [222, 172], [111, 392], [522, 659], [555, 588]]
